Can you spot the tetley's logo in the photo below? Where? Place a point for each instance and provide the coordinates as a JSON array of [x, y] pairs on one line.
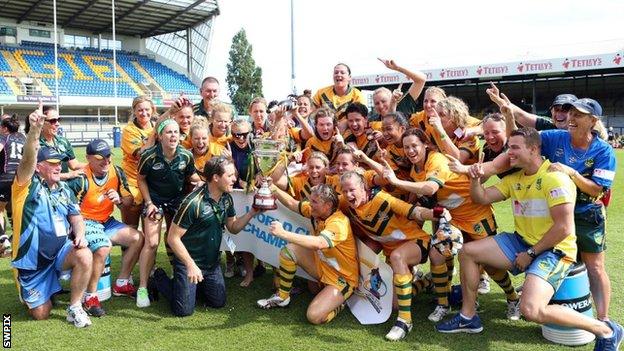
[[534, 66], [575, 63], [488, 70]]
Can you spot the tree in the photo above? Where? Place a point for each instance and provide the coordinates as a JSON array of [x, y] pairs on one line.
[[244, 78]]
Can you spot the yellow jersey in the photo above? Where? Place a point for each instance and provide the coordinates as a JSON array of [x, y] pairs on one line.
[[132, 139], [531, 199], [340, 258], [327, 97], [454, 195]]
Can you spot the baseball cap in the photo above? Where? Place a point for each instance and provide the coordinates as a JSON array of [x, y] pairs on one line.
[[98, 148], [563, 99], [587, 105], [50, 154]]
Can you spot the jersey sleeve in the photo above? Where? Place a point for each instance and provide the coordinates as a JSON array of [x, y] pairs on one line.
[[558, 189], [604, 167], [144, 163], [407, 105], [504, 186], [78, 186], [471, 146], [359, 97], [437, 169], [398, 206], [316, 99], [124, 188], [230, 211], [305, 209], [336, 229], [130, 140], [69, 149], [543, 123]]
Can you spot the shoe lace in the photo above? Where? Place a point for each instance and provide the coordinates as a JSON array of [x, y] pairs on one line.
[[440, 311]]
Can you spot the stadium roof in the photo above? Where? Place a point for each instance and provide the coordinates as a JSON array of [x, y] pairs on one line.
[[145, 18]]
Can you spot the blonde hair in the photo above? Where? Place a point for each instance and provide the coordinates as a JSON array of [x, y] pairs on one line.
[[257, 100], [436, 91], [319, 156], [382, 90], [600, 129], [220, 107], [199, 122], [175, 109], [144, 98], [456, 110]]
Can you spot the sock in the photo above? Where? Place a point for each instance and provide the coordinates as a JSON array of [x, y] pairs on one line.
[[333, 313], [121, 282], [450, 267], [403, 290], [75, 306], [503, 280], [287, 270], [440, 283]]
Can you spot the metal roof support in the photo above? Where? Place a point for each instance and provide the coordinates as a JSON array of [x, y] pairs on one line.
[[78, 13], [165, 22], [56, 70], [29, 11], [114, 61], [124, 15]]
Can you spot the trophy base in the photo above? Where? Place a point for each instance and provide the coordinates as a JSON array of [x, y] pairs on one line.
[[264, 202]]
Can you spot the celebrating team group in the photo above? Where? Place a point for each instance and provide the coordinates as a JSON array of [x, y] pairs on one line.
[[376, 176]]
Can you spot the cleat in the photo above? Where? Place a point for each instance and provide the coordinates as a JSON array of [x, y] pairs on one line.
[[439, 313], [484, 285], [128, 290], [78, 316], [142, 298], [273, 301], [399, 330], [93, 307], [513, 310]]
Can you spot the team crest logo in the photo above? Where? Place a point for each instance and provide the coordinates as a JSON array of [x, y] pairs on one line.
[[158, 166], [518, 186], [477, 228], [538, 184], [589, 162], [544, 265], [182, 165], [559, 152]]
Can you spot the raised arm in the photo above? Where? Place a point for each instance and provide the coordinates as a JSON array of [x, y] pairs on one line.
[[418, 78], [312, 242], [285, 199], [26, 168]]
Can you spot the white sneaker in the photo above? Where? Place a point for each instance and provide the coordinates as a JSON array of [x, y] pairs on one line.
[[273, 301], [399, 330], [229, 270], [484, 285], [513, 310], [78, 316], [142, 299], [417, 273], [439, 313]]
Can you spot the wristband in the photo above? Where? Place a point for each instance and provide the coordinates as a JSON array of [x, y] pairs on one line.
[[438, 211]]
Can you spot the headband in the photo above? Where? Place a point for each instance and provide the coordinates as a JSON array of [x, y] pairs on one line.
[[165, 123]]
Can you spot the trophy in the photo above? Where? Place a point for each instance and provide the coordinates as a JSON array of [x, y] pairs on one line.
[[267, 154]]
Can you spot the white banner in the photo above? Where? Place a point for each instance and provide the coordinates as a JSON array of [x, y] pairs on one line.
[[372, 301]]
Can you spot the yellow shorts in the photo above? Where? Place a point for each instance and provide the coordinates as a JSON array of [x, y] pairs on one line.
[[329, 276]]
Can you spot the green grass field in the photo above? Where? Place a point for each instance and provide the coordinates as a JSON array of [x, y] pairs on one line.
[[242, 326]]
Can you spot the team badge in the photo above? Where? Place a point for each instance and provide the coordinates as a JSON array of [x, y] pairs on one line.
[[158, 166], [518, 186], [559, 152], [477, 228], [538, 184], [589, 162], [182, 165]]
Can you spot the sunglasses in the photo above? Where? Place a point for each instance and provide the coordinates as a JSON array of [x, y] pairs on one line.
[[564, 108], [240, 135], [53, 120]]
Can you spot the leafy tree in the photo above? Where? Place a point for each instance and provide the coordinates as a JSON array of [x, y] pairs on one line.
[[244, 78]]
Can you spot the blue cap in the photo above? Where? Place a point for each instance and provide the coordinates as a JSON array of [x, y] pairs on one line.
[[563, 99], [50, 154], [98, 147], [587, 105]]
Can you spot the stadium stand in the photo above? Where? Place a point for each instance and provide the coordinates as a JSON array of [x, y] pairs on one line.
[[89, 72]]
